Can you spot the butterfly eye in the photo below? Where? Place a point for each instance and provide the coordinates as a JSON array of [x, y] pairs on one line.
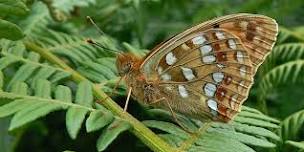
[[125, 68]]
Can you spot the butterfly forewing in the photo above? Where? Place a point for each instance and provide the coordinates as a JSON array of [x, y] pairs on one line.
[[257, 33], [208, 70]]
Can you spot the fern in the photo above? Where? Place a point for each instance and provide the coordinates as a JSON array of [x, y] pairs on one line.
[[30, 102], [9, 30], [235, 136], [290, 131], [288, 73], [68, 5], [299, 145]]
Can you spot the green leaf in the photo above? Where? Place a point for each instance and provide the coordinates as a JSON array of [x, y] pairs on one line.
[[74, 118], [291, 126], [84, 94], [68, 5], [111, 133], [244, 138], [12, 107], [257, 116], [98, 119], [31, 112], [15, 7], [1, 80], [167, 127], [216, 142], [35, 24], [23, 73], [59, 75], [299, 145], [287, 73], [63, 93], [10, 31], [252, 130], [43, 73], [43, 89], [20, 88], [255, 122], [6, 61]]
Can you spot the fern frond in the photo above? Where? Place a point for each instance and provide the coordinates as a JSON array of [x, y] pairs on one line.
[[26, 108], [31, 69], [291, 126], [31, 94], [235, 136], [285, 34], [290, 132], [36, 23], [288, 73], [282, 54], [299, 145]]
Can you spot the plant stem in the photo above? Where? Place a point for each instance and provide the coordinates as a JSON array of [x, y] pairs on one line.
[[153, 141]]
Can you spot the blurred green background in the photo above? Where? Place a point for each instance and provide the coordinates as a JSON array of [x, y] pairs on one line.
[[143, 24]]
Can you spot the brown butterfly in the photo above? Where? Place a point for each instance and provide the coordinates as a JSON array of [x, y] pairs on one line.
[[204, 72]]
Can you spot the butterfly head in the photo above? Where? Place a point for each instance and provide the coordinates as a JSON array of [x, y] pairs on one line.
[[125, 63]]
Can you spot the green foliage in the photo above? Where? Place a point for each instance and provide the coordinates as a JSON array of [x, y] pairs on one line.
[[215, 136], [111, 133], [8, 29], [49, 68]]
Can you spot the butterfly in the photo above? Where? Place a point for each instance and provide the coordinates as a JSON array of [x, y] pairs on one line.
[[206, 71]]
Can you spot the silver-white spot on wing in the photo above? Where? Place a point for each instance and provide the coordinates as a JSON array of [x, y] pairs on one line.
[[209, 89], [170, 58], [188, 73], [205, 49], [219, 35], [199, 40], [208, 59], [239, 56], [166, 77], [212, 104], [232, 44], [182, 91], [218, 76]]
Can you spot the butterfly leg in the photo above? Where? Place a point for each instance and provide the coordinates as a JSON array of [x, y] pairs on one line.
[[158, 100], [172, 113], [128, 98]]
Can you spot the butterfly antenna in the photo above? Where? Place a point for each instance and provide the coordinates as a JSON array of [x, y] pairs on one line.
[[95, 25], [90, 41]]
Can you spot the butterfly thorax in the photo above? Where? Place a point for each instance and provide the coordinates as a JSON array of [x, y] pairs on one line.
[[128, 66]]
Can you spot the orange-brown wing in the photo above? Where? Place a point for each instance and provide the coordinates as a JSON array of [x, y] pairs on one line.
[[211, 71], [208, 69], [257, 32]]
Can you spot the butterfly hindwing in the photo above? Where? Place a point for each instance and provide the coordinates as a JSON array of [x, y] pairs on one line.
[[214, 66], [208, 70]]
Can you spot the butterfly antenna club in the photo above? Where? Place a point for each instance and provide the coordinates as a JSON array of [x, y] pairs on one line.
[[90, 41]]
